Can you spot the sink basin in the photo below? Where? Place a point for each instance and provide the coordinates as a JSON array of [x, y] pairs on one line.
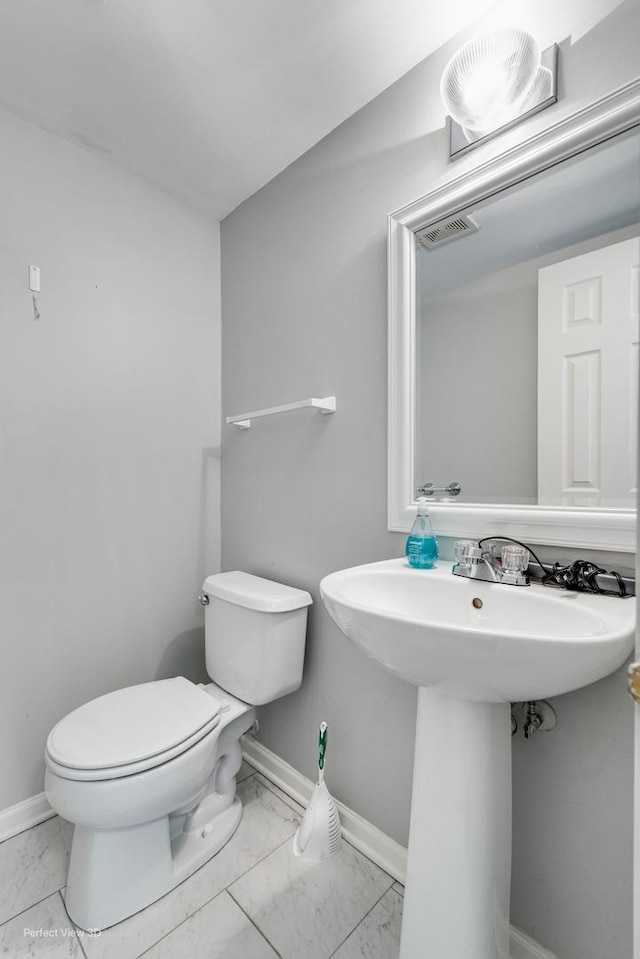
[[479, 641], [472, 648]]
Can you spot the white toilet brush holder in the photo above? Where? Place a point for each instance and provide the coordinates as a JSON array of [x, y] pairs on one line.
[[319, 835]]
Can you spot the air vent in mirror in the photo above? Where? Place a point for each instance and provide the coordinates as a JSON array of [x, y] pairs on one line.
[[441, 233]]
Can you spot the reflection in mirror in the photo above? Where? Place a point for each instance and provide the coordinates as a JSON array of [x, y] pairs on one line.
[[527, 339]]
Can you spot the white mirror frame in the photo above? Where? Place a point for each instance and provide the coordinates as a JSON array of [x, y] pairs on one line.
[[609, 529]]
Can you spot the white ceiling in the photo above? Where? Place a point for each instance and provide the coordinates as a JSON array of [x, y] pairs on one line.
[[210, 99]]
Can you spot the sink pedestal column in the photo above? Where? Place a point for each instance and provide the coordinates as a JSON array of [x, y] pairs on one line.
[[459, 869]]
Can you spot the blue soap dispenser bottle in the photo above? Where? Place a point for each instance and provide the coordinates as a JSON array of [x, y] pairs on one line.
[[422, 546]]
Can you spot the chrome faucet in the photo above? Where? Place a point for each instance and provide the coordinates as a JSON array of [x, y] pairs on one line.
[[473, 561]]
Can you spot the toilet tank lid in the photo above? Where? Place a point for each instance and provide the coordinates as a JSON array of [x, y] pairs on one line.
[[254, 592]]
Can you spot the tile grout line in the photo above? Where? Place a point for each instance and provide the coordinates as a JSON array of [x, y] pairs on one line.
[[153, 945], [253, 923], [32, 905], [357, 926], [181, 923], [351, 931], [291, 803], [78, 938], [226, 889]]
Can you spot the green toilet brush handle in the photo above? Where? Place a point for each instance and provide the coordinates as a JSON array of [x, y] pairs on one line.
[[322, 748]]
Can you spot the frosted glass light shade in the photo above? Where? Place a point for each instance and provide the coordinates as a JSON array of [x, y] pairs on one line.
[[486, 83]]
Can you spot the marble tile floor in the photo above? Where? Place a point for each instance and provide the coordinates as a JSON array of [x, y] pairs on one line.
[[254, 900]]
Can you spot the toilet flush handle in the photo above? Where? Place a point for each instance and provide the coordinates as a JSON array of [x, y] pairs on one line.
[[203, 599]]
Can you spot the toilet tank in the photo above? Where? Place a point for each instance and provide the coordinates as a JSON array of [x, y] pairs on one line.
[[255, 633]]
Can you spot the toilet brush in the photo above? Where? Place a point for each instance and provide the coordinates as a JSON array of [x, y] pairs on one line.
[[319, 834]]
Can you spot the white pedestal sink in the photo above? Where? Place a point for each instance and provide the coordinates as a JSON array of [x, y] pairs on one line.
[[472, 648]]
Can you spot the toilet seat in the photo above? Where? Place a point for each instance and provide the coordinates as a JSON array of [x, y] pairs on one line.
[[131, 730]]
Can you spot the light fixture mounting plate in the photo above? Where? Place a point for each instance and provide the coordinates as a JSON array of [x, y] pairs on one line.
[[459, 142]]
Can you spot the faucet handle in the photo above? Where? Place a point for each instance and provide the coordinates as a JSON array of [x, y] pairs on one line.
[[465, 550], [515, 565], [515, 559]]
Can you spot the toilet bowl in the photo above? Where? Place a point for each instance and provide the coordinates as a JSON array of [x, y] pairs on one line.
[[147, 773]]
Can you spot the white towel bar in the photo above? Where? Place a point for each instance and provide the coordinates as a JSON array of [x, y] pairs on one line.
[[243, 420]]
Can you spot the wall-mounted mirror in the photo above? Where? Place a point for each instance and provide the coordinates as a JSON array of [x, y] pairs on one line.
[[513, 336]]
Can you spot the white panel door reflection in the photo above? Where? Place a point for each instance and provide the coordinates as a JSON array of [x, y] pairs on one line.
[[588, 378]]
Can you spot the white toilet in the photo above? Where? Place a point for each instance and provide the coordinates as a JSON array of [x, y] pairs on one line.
[[147, 773]]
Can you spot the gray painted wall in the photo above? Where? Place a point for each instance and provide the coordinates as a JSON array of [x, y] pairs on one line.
[[478, 347], [109, 437], [304, 313]]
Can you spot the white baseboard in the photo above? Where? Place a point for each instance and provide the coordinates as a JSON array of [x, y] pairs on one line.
[[23, 815], [522, 946], [385, 852]]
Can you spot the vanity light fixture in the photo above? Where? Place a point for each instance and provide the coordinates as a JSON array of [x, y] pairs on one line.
[[494, 81]]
